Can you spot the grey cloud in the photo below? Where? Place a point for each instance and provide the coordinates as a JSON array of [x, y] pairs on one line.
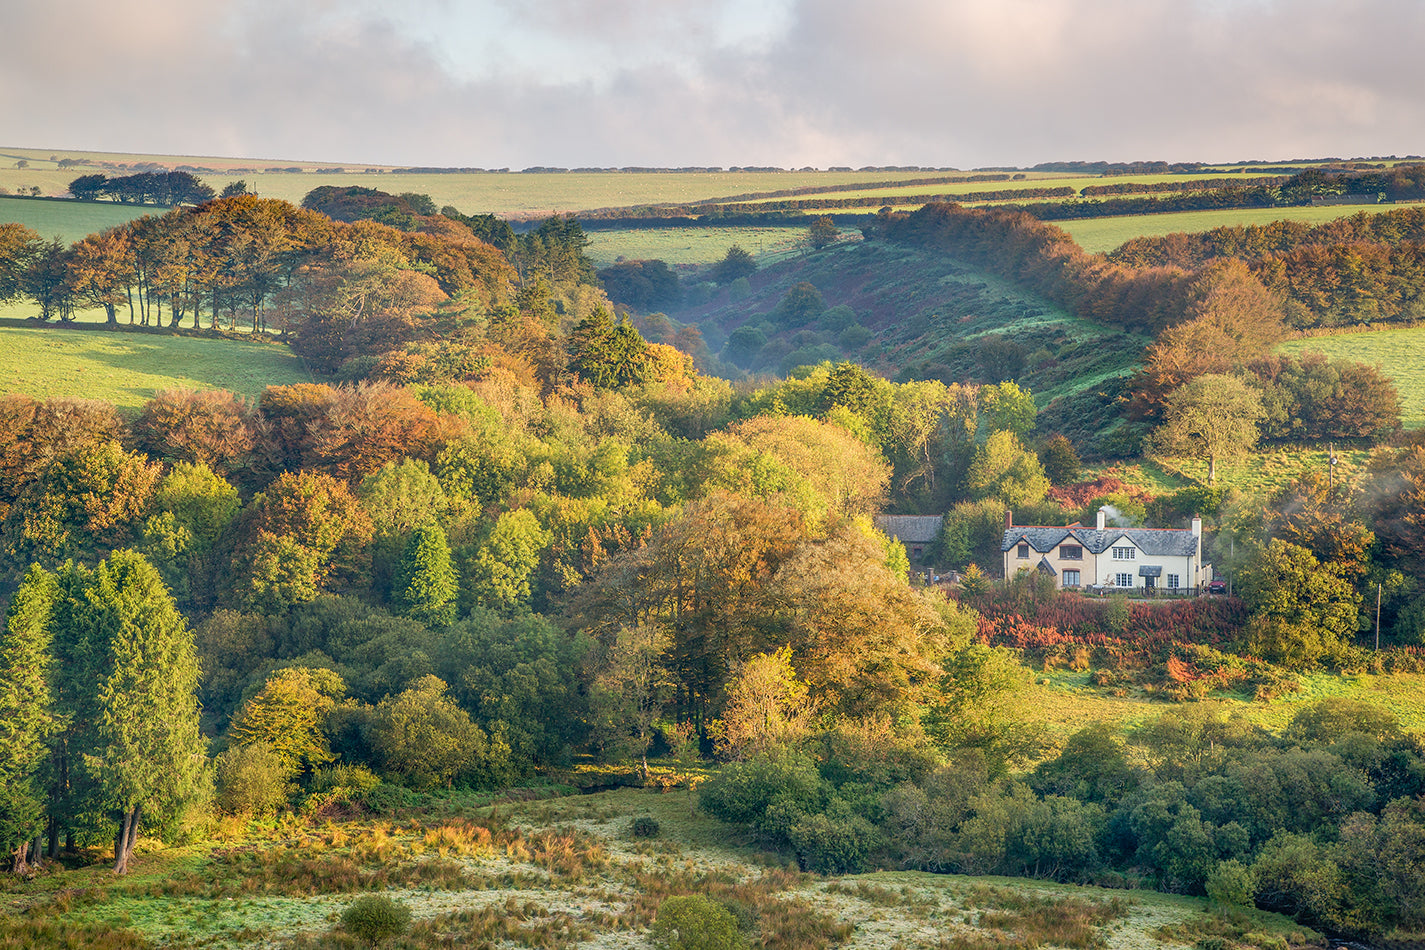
[[966, 83]]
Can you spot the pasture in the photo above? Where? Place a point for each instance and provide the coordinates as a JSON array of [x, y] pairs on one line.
[[127, 369], [69, 221], [1100, 235], [692, 246], [1398, 353]]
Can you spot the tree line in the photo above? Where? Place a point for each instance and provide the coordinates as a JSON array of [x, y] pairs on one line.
[[166, 188]]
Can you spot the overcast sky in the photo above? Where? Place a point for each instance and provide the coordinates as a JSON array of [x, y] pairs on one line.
[[514, 83]]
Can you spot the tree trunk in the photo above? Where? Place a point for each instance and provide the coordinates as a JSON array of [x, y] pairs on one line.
[[124, 840], [1211, 469], [53, 831], [19, 864]]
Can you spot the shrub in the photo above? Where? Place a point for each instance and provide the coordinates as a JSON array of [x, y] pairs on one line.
[[695, 922], [645, 826], [1230, 884], [375, 918], [836, 842], [252, 780]]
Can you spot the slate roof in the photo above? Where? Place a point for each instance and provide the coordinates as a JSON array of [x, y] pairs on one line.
[[1154, 542], [910, 529]]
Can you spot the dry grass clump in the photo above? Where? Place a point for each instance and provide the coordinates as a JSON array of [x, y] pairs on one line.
[[513, 923], [1010, 919], [30, 932], [1229, 931]]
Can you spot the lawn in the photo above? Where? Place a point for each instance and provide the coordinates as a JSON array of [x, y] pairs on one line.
[[1398, 353], [127, 369]]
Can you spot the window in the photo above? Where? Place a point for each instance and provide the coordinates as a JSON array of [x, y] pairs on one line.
[[1071, 578], [1071, 552], [1024, 550], [915, 552], [1125, 554], [1172, 582], [1123, 580]]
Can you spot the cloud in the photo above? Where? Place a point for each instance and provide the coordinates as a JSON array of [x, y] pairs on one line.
[[787, 82]]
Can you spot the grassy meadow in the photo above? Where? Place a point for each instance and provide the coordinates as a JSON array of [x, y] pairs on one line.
[[568, 872], [69, 221], [1105, 234], [692, 246], [127, 369]]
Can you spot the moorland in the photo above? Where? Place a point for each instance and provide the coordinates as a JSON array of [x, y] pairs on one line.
[[438, 557]]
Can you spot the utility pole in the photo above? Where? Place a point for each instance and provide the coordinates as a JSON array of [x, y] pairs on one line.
[[1379, 585]]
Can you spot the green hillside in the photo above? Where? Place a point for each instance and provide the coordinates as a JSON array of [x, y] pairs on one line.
[[128, 368]]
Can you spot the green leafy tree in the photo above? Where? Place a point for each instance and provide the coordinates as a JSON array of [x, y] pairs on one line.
[[822, 232], [374, 918], [288, 717], [1214, 415], [422, 736], [426, 586], [192, 508], [1303, 611], [632, 687], [1007, 472], [26, 716], [695, 922], [606, 354], [1060, 461], [501, 569], [767, 706]]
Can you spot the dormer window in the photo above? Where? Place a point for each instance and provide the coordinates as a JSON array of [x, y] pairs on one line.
[[1071, 552], [1125, 554], [1024, 550]]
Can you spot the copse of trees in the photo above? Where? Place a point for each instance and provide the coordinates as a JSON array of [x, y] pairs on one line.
[[167, 189]]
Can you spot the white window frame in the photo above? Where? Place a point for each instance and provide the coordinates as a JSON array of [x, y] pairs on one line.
[[1067, 578], [1125, 554], [1174, 582], [1123, 580]]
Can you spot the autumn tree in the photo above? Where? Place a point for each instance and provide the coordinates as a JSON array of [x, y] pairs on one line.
[[213, 427], [1214, 415], [767, 706], [305, 534], [289, 715], [822, 232], [632, 686]]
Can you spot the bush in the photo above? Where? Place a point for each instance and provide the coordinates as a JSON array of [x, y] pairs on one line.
[[742, 793], [645, 826], [695, 922], [375, 918], [836, 842], [252, 780], [1230, 884]]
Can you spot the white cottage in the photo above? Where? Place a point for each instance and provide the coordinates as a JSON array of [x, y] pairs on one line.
[[1128, 558]]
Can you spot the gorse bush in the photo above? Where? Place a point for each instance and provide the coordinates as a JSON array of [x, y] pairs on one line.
[[695, 922]]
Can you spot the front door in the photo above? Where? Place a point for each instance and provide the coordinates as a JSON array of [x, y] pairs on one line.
[[1149, 583]]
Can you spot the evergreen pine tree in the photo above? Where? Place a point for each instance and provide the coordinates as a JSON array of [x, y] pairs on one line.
[[127, 683], [426, 584], [26, 718]]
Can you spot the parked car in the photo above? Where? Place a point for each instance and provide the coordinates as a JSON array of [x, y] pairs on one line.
[[1217, 587]]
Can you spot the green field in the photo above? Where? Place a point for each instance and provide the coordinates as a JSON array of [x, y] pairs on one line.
[[1399, 354], [128, 368], [512, 194], [1105, 234], [692, 245], [69, 221]]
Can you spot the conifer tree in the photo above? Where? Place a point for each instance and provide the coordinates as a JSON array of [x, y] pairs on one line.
[[426, 584], [127, 684], [25, 714]]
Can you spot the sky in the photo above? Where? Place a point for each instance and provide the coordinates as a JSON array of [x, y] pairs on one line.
[[787, 83]]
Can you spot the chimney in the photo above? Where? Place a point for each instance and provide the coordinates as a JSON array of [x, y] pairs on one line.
[[1008, 518], [1197, 534], [1103, 519]]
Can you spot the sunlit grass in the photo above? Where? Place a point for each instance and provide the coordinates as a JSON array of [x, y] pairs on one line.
[[1398, 353]]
